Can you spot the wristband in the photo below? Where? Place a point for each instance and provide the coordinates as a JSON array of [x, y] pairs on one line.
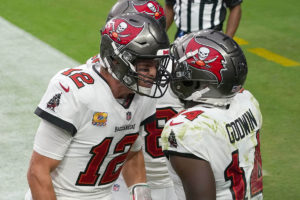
[[140, 191]]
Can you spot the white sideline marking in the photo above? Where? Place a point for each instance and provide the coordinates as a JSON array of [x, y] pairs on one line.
[[26, 66]]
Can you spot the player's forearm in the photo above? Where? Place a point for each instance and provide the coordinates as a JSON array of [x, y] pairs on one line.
[[169, 12], [134, 169], [233, 20], [40, 185]]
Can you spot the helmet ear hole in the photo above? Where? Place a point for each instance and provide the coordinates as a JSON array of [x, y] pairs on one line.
[[194, 84], [188, 83], [197, 86]]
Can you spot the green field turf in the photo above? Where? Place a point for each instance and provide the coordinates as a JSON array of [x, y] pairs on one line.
[[73, 28]]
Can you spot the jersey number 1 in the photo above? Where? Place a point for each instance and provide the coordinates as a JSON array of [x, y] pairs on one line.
[[236, 175]]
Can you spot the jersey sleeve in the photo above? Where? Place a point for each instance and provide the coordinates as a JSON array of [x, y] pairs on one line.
[[183, 137], [51, 141], [59, 104], [137, 145]]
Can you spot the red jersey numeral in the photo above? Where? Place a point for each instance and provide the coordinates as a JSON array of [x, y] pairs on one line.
[[192, 115], [90, 175], [256, 181], [110, 174], [236, 175], [79, 78], [152, 146], [69, 71]]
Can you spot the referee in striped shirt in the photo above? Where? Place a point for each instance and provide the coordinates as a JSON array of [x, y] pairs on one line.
[[195, 15]]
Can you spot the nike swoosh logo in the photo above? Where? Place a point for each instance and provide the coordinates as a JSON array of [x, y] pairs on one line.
[[65, 89], [173, 124]]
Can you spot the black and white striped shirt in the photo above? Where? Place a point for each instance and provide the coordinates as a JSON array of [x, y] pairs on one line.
[[195, 15]]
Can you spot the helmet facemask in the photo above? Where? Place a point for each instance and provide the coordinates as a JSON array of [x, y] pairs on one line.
[[151, 86], [122, 66]]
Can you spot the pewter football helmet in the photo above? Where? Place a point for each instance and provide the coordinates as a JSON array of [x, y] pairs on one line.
[[132, 36], [209, 67], [151, 8]]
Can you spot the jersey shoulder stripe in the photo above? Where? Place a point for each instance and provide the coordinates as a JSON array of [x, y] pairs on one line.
[[56, 121]]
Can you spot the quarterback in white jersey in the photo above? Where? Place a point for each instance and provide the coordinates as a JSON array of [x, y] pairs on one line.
[[214, 145], [89, 160], [91, 115]]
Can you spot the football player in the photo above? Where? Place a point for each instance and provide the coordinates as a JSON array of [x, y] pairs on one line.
[[91, 115], [214, 145], [156, 168]]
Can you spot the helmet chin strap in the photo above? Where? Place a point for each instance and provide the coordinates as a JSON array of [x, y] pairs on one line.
[[196, 96], [217, 102], [108, 67], [119, 54], [144, 90]]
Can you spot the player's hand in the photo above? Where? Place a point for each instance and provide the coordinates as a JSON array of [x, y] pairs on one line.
[[140, 191]]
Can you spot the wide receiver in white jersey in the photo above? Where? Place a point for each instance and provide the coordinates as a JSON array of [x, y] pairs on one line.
[[91, 115], [213, 146]]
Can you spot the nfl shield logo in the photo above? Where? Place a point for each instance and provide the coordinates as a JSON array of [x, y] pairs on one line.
[[116, 187], [128, 115]]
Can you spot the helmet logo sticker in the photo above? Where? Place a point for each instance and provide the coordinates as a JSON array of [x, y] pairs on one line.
[[207, 59], [151, 8], [121, 31]]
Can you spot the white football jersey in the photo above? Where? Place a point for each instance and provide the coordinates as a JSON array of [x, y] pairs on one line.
[[155, 161], [227, 138], [156, 165], [80, 101]]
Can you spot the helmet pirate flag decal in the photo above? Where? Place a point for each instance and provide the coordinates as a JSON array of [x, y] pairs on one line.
[[121, 31], [206, 58], [151, 8]]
